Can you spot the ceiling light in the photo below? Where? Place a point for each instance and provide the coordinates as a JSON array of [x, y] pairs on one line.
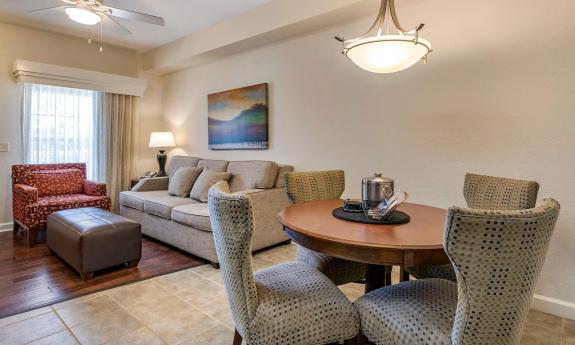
[[386, 53], [83, 16]]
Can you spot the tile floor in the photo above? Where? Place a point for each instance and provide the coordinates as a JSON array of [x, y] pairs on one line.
[[188, 307]]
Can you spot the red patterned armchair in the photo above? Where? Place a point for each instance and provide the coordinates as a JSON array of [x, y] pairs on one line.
[[41, 189]]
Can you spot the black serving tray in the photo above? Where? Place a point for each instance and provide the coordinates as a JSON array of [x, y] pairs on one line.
[[396, 217]]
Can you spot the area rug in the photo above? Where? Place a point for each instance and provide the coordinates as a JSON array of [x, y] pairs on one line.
[[32, 278]]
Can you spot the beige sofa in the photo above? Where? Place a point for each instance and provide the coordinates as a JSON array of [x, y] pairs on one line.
[[185, 223]]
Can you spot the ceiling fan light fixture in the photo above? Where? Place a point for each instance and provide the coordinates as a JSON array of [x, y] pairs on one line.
[[383, 52], [83, 16]]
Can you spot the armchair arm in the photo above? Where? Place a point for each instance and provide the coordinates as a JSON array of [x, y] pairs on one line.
[[94, 189], [25, 194], [267, 204], [151, 184]]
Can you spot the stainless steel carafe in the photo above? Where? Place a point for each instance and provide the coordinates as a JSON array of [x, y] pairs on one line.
[[376, 188]]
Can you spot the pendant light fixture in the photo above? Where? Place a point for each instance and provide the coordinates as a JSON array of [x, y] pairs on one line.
[[380, 52]]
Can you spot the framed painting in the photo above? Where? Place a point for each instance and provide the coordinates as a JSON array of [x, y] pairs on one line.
[[238, 119]]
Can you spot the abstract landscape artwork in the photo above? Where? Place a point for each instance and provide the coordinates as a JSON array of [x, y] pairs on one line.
[[238, 119]]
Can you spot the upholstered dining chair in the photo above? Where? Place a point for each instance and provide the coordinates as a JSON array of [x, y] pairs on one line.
[[323, 185], [497, 256], [488, 193], [290, 303]]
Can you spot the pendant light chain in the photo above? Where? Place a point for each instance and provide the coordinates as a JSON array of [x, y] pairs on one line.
[[101, 39]]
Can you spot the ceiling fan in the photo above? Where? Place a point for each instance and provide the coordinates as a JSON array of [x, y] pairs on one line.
[[92, 12]]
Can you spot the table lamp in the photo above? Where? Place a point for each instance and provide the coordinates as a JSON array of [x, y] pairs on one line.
[[162, 140]]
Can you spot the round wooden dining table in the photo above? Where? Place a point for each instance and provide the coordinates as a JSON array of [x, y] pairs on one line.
[[418, 242]]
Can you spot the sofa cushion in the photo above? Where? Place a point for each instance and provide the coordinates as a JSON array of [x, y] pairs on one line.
[[281, 178], [194, 215], [177, 162], [136, 199], [183, 180], [56, 182], [213, 164], [248, 175], [162, 206], [207, 179]]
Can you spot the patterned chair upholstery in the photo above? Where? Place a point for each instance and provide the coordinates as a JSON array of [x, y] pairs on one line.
[[498, 193], [488, 193], [286, 304], [323, 185], [490, 301], [39, 190]]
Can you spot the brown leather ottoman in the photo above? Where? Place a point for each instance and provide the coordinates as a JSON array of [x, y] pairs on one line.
[[91, 239]]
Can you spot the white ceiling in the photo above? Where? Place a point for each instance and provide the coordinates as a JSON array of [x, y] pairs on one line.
[[182, 18]]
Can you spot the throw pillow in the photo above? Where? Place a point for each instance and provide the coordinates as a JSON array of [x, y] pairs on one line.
[[182, 181], [207, 179]]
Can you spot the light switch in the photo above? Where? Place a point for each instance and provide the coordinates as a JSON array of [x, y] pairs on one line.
[[4, 147]]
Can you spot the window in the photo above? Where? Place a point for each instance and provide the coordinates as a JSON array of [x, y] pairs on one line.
[[61, 125]]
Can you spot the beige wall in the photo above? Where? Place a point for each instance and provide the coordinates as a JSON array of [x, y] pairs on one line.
[[29, 44], [148, 119], [496, 98]]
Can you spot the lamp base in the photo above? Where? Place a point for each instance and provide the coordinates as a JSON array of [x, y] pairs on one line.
[[162, 159]]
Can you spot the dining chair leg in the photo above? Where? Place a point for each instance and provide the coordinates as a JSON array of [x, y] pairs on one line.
[[404, 275], [237, 338], [388, 270], [352, 341], [376, 277], [362, 340]]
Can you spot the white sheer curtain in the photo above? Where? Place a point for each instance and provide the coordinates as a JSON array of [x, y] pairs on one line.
[[64, 125]]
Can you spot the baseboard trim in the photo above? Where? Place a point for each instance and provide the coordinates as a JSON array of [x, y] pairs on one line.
[[553, 306], [6, 227]]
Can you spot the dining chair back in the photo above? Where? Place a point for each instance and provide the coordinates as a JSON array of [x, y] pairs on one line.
[[286, 304], [499, 193], [233, 229], [497, 256], [315, 185], [487, 193], [323, 185]]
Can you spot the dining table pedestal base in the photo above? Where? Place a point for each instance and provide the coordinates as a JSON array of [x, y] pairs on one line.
[[377, 276]]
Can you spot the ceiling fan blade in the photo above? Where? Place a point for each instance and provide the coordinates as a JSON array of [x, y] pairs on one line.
[[47, 8], [117, 27], [136, 16]]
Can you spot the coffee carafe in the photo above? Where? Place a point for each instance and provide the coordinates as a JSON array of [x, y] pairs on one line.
[[374, 189]]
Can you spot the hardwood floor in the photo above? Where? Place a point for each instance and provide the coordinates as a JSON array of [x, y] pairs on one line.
[[31, 277]]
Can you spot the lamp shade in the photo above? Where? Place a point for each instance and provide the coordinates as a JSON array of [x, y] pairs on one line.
[[162, 139], [387, 54]]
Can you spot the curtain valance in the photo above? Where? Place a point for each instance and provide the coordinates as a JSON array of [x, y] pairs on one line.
[[41, 73]]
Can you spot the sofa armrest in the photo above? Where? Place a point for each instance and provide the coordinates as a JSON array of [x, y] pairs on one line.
[[151, 184], [25, 194], [94, 189], [267, 204]]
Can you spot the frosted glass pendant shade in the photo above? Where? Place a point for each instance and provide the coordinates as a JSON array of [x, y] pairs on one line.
[[387, 54], [83, 16], [378, 51]]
